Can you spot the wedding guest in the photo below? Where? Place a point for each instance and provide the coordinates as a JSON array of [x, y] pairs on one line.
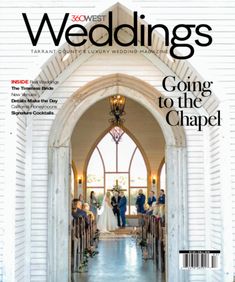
[[93, 203], [146, 208], [114, 202], [151, 209], [151, 198], [86, 208], [80, 198], [161, 198], [159, 211], [140, 202], [162, 212], [78, 212], [122, 208], [156, 210]]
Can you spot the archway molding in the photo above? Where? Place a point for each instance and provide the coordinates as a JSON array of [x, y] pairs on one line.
[[59, 171]]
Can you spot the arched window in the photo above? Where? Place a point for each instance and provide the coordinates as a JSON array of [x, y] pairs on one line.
[[72, 182], [117, 159], [163, 177]]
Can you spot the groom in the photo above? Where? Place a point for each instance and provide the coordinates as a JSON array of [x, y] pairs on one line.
[[122, 208], [114, 202]]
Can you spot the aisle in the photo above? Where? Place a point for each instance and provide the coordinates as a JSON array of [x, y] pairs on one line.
[[119, 259]]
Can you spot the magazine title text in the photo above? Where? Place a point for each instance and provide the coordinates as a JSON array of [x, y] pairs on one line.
[[140, 34]]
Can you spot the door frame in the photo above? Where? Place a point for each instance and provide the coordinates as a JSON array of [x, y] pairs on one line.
[[59, 169]]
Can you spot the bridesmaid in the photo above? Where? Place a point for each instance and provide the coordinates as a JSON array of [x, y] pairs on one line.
[[93, 203]]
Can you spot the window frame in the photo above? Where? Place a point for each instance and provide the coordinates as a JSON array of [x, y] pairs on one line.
[[105, 171]]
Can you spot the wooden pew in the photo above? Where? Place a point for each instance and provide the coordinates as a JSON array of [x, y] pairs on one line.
[[82, 239], [153, 233]]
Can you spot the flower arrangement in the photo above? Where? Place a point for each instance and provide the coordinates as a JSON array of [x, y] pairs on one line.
[[146, 249], [86, 254], [91, 253], [83, 267], [96, 237], [116, 187], [145, 254], [143, 243]]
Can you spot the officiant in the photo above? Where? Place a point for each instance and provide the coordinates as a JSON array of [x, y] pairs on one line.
[[114, 202]]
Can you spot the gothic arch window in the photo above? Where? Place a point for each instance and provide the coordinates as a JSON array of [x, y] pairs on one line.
[[163, 177], [117, 159]]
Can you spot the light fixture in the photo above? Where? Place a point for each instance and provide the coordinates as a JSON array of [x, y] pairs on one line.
[[80, 180], [117, 105], [154, 180]]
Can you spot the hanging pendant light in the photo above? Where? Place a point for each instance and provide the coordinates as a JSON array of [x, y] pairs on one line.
[[117, 105]]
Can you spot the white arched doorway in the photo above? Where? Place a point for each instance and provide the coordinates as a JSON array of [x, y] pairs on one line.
[[59, 172]]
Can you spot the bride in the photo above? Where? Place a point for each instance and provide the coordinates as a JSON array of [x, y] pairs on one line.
[[106, 220]]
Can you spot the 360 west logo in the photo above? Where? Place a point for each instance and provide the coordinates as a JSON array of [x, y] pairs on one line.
[[87, 18]]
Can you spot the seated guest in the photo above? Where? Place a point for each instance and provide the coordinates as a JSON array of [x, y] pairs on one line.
[[146, 208], [151, 198], [140, 202], [162, 212], [159, 211], [78, 212], [86, 208], [151, 209], [161, 199], [156, 210]]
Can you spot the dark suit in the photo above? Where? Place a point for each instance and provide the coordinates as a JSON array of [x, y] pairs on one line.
[[122, 208], [114, 203], [80, 213], [161, 199], [140, 203], [151, 200]]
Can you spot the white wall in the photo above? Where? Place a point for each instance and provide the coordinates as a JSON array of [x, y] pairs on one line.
[[20, 204], [2, 176]]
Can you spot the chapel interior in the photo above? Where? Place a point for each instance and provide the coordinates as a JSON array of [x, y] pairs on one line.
[[125, 151]]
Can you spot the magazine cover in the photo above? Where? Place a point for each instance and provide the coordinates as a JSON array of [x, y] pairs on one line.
[[117, 141]]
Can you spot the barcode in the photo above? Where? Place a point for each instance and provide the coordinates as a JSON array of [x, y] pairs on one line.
[[199, 259]]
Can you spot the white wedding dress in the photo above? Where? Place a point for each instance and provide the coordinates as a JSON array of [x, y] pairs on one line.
[[107, 221]]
